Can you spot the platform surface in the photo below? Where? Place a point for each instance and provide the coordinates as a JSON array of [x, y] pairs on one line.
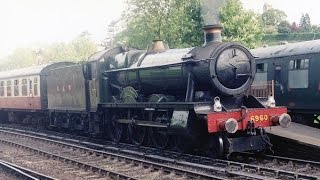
[[298, 132]]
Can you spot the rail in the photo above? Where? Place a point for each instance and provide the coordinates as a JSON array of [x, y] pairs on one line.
[[22, 172], [79, 162], [225, 167]]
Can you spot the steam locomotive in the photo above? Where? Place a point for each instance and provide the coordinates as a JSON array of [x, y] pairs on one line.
[[188, 98]]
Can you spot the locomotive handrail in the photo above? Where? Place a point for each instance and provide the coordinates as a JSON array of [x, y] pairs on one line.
[[159, 66]]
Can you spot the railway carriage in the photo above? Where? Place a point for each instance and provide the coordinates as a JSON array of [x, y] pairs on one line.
[[294, 68], [25, 90]]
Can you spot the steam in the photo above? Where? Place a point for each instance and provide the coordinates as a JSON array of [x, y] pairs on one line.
[[210, 11]]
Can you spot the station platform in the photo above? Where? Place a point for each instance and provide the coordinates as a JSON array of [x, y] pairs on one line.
[[297, 132]]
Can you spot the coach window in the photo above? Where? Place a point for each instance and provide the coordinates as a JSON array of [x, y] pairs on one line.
[[2, 88], [24, 87], [16, 87], [9, 93], [298, 73], [262, 73], [35, 86], [30, 88]]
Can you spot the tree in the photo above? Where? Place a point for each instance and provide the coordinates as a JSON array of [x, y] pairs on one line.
[[20, 58], [83, 46], [284, 27], [77, 50], [294, 27], [240, 25], [270, 29], [315, 28], [271, 20], [108, 42], [178, 22], [305, 23], [273, 17]]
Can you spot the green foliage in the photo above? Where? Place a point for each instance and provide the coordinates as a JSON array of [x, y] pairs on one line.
[[21, 57], [273, 17], [270, 29], [315, 28], [305, 23], [240, 25], [291, 37], [284, 27], [77, 50], [294, 28], [178, 22]]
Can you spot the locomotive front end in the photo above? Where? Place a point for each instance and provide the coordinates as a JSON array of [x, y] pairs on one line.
[[236, 121], [228, 66]]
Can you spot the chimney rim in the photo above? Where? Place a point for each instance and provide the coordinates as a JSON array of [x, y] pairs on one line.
[[213, 26]]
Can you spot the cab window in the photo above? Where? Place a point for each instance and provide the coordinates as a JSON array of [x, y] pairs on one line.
[[261, 73]]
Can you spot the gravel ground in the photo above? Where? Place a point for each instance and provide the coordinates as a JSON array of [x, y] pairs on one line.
[[50, 167], [113, 164]]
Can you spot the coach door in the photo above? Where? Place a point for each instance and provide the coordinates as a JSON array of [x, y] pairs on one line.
[[30, 93], [280, 83], [298, 82]]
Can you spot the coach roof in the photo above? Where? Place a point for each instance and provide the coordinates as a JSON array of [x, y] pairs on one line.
[[30, 71], [291, 49]]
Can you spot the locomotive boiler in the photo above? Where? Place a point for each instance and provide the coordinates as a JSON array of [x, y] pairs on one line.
[[187, 75], [214, 69]]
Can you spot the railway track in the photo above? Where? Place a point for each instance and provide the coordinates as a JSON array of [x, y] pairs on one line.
[[12, 171], [50, 165], [106, 164], [243, 165]]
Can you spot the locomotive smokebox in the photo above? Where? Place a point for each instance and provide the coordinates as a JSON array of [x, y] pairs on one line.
[[212, 26]]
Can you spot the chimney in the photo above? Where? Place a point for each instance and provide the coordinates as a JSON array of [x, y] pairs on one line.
[[212, 26], [213, 33]]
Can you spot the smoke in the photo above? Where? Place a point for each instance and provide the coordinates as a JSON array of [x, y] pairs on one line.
[[210, 11]]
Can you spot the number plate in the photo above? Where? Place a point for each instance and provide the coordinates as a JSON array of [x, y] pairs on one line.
[[259, 118]]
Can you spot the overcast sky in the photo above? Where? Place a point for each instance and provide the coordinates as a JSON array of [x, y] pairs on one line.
[[26, 22], [293, 8]]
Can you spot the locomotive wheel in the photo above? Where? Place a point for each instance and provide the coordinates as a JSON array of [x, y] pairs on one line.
[[116, 131], [160, 137], [217, 146], [137, 134]]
